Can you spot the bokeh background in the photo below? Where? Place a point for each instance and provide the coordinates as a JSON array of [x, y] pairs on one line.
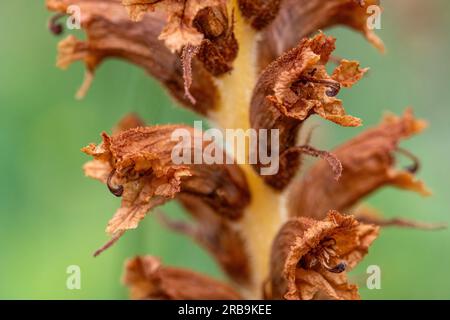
[[51, 216]]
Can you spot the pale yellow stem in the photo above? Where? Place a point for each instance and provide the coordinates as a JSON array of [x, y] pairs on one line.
[[263, 216]]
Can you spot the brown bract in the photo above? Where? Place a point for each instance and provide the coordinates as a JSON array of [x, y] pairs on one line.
[[310, 257], [148, 279], [139, 162], [368, 164], [297, 19], [279, 80], [294, 87]]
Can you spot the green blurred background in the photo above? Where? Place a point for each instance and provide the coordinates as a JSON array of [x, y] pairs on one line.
[[51, 216]]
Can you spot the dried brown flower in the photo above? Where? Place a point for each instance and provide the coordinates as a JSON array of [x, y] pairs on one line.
[[310, 257]]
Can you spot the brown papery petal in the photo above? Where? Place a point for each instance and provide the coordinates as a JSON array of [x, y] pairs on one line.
[[111, 34], [368, 164], [297, 19], [146, 278], [294, 87], [220, 236], [143, 173], [302, 239]]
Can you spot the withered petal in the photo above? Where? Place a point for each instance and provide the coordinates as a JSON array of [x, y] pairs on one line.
[[368, 163], [299, 266], [294, 87], [146, 278]]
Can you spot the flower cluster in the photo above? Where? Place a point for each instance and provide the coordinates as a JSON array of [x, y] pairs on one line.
[[259, 64]]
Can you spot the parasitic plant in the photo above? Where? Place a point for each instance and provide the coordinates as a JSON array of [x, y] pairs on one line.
[[243, 64]]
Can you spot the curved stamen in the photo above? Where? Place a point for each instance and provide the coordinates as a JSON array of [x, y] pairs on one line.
[[115, 190], [415, 166], [54, 26]]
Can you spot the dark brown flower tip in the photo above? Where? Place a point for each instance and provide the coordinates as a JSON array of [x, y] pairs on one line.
[[368, 163], [217, 235], [54, 26], [296, 86], [111, 34], [259, 13], [183, 19], [297, 19], [146, 278], [142, 165], [310, 258]]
